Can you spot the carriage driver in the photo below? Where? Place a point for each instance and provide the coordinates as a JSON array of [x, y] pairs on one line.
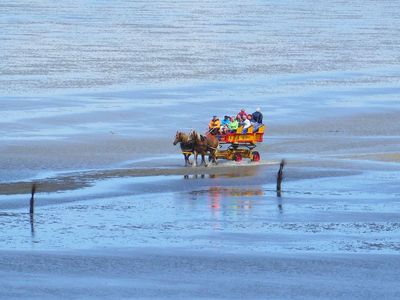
[[214, 126]]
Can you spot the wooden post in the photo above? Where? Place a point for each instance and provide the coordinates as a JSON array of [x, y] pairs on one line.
[[279, 178], [32, 201]]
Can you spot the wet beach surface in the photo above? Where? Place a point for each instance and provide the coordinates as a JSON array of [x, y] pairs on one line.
[[118, 216], [333, 233]]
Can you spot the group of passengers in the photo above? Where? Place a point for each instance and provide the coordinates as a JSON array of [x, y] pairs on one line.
[[230, 124]]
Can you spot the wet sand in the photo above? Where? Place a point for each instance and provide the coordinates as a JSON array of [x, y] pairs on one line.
[[79, 180]]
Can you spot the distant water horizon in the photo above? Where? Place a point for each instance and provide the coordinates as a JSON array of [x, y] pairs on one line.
[[47, 47]]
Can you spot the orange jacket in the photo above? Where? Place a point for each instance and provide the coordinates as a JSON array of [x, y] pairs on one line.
[[214, 124]]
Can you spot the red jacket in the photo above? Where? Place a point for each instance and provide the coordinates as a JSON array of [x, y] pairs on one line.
[[242, 114]]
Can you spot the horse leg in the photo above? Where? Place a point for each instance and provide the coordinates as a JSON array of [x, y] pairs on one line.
[[203, 159], [214, 156], [195, 159], [187, 161]]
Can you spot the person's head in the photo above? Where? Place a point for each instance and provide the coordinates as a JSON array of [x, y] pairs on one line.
[[215, 118], [232, 119], [227, 118], [249, 117], [242, 110], [258, 109]]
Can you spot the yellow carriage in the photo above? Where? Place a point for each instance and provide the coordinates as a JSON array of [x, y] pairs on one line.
[[241, 145]]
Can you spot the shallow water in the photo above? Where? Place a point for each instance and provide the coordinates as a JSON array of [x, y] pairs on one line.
[[338, 216]]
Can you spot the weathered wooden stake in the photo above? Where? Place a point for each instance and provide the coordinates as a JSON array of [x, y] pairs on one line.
[[279, 177], [32, 201]]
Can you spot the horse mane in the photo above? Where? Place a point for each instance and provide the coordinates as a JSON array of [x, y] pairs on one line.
[[196, 136], [183, 137]]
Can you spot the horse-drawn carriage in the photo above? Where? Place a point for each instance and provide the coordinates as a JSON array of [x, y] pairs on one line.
[[232, 146]]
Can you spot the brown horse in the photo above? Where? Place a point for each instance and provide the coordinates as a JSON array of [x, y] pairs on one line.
[[203, 144], [186, 146]]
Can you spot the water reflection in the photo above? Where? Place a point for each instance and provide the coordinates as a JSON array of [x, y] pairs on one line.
[[242, 172], [14, 221], [32, 223], [217, 197], [225, 200], [280, 207], [235, 192], [194, 176]]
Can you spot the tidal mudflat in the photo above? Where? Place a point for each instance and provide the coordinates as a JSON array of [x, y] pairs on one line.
[[91, 96]]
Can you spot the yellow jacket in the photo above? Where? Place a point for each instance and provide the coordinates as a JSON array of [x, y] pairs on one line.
[[214, 124]]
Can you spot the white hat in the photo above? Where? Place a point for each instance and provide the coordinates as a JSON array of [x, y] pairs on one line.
[[258, 109]]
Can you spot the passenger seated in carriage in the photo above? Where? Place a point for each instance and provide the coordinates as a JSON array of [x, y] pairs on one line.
[[257, 119], [225, 125], [214, 126], [257, 116], [242, 114], [234, 125], [246, 124]]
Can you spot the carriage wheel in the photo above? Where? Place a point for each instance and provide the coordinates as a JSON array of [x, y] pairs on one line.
[[255, 156], [238, 157]]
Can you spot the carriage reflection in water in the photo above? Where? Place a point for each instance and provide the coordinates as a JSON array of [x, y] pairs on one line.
[[231, 146]]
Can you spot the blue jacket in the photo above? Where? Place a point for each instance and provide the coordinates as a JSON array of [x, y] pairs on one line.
[[257, 117]]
